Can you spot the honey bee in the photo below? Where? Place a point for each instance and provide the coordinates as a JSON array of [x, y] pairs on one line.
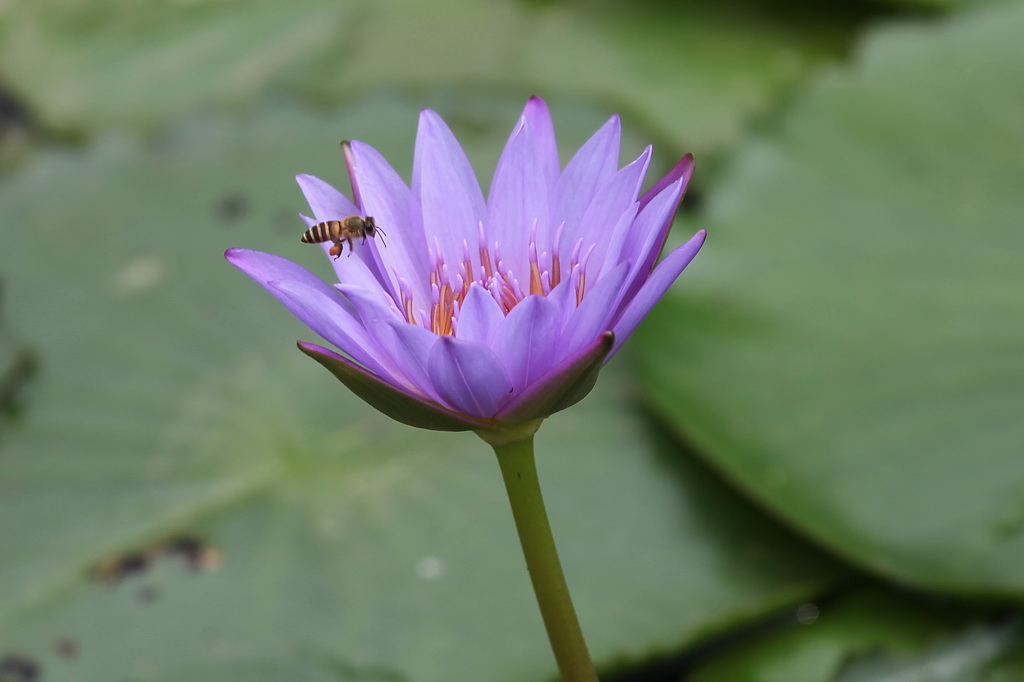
[[342, 231]]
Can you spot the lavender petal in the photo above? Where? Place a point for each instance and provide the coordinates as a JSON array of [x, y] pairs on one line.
[[526, 338], [518, 200], [326, 201], [655, 287], [564, 385], [449, 195], [593, 316], [479, 317], [469, 376]]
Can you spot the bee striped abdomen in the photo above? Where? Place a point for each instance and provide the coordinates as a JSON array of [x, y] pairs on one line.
[[322, 232]]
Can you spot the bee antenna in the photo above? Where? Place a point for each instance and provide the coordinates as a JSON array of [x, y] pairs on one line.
[[382, 238]]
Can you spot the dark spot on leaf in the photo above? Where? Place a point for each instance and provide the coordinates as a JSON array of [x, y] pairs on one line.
[[232, 207], [148, 594], [15, 668], [119, 568], [66, 647], [14, 114], [195, 553], [188, 547]]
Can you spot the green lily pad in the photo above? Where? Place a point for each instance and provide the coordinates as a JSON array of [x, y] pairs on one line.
[[870, 623], [188, 495], [260, 668], [988, 652], [97, 64], [697, 72], [848, 347], [939, 4]]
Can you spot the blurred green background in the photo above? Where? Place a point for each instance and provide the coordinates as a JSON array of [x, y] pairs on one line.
[[808, 465]]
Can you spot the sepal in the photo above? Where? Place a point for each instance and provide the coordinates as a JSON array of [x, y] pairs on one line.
[[393, 402]]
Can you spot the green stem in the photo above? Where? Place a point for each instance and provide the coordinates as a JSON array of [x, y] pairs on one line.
[[520, 474]]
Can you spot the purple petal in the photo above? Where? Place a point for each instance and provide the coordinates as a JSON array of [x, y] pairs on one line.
[[350, 164], [326, 201], [593, 164], [479, 316], [331, 319], [527, 338], [566, 384], [648, 236], [655, 287], [417, 342], [267, 267], [615, 195], [384, 196], [518, 199], [681, 172], [393, 402], [469, 376], [683, 169], [623, 232], [379, 319], [563, 296], [539, 118], [593, 316], [449, 195]]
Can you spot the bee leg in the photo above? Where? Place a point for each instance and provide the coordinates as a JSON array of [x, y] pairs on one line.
[[351, 245], [336, 249]]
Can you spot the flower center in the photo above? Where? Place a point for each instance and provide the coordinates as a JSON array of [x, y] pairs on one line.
[[450, 286]]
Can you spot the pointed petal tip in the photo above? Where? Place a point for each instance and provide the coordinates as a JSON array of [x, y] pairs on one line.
[[535, 105], [680, 173], [683, 169], [350, 149], [313, 349], [235, 255], [430, 119], [686, 166]]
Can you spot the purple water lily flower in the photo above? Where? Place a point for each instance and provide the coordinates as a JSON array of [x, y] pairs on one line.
[[480, 313]]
